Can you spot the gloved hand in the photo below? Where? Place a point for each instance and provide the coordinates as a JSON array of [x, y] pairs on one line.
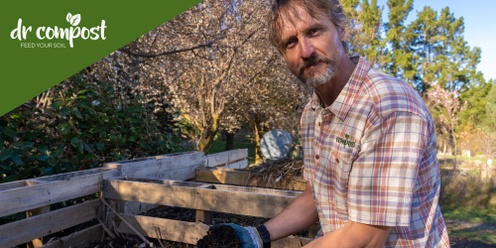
[[248, 236]]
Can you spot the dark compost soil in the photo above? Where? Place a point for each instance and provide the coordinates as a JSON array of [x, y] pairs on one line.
[[220, 237]]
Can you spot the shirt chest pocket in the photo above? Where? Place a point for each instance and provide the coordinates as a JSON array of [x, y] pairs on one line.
[[337, 168], [341, 155]]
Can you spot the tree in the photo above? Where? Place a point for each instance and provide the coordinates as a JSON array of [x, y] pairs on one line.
[[274, 101], [398, 60], [476, 112], [443, 56], [215, 61], [490, 104], [448, 105], [364, 31]]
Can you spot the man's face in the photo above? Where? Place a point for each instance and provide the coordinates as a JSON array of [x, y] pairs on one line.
[[311, 46]]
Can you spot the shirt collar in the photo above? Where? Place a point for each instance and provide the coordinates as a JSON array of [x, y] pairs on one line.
[[346, 98]]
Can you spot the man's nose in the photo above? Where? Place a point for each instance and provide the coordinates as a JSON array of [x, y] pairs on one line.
[[306, 48]]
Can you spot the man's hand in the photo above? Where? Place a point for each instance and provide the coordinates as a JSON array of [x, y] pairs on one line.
[[248, 236]]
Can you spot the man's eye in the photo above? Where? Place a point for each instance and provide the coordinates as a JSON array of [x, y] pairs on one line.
[[314, 32], [290, 44]]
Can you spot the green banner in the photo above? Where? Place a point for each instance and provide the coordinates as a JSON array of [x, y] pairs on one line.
[[44, 42]]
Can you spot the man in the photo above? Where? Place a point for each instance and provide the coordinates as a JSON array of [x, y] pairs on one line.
[[368, 141]]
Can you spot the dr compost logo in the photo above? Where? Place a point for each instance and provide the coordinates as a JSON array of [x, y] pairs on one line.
[[50, 37]]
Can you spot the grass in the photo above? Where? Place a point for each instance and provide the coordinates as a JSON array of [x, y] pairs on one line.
[[474, 235], [478, 225], [472, 214]]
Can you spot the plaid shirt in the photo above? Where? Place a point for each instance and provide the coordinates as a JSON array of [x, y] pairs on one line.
[[370, 157]]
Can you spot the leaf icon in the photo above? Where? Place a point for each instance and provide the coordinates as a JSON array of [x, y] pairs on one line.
[[75, 20], [68, 17]]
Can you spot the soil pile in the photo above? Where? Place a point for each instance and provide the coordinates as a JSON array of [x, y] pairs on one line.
[[220, 237]]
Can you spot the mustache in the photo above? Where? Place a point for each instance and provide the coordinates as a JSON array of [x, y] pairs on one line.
[[312, 60]]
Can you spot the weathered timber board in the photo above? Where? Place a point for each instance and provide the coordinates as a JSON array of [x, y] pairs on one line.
[[14, 184], [78, 239], [235, 200], [22, 231], [179, 166], [242, 178], [49, 191], [187, 232], [57, 177], [228, 159], [167, 229]]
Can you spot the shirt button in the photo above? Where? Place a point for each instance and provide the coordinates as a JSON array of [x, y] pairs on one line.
[[317, 157]]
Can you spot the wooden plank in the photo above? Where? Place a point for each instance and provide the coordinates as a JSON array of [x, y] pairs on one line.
[[179, 166], [242, 178], [188, 232], [167, 229], [242, 201], [62, 176], [75, 174], [12, 185], [78, 239], [225, 158], [38, 242], [22, 231], [52, 191], [241, 164]]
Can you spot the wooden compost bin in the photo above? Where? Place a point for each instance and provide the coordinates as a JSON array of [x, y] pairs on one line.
[[115, 194]]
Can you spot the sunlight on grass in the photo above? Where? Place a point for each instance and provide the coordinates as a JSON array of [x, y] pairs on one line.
[[472, 214], [474, 235]]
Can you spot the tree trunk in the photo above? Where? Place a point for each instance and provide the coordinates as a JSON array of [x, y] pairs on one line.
[[205, 143], [208, 135], [229, 141], [455, 147], [258, 152]]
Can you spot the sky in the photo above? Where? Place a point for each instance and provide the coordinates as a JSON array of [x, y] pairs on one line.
[[480, 26]]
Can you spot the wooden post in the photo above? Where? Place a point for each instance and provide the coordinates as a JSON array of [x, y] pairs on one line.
[[38, 242], [203, 216]]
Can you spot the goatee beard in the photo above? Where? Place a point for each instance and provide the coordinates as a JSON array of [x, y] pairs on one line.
[[316, 80]]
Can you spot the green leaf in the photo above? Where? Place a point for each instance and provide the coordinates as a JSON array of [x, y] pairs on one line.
[[81, 148], [64, 111], [14, 116], [16, 159], [77, 113], [42, 158], [75, 142], [5, 154], [100, 146], [10, 132], [24, 144], [52, 162], [48, 171], [82, 92], [57, 104]]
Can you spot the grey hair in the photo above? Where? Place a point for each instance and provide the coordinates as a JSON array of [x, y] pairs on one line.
[[329, 8]]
